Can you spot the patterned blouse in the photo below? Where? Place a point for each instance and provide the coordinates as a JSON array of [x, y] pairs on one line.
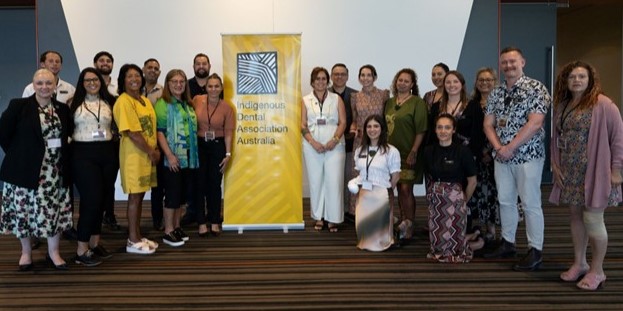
[[511, 110], [365, 104]]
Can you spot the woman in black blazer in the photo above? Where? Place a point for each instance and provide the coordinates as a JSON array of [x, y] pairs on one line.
[[34, 135]]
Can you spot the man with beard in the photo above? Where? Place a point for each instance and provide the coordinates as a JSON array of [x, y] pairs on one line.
[[103, 63], [201, 66]]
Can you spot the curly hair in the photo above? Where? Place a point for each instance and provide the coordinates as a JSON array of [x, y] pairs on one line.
[[562, 95], [415, 90]]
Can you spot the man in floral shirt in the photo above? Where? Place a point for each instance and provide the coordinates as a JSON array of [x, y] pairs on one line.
[[514, 119]]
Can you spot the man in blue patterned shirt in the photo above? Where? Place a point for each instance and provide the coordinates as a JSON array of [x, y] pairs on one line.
[[514, 119]]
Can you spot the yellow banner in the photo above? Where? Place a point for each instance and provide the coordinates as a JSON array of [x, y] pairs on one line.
[[263, 183]]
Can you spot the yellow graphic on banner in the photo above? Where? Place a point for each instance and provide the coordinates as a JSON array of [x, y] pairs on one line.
[[263, 183]]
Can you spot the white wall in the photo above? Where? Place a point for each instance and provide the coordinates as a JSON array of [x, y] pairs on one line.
[[390, 34]]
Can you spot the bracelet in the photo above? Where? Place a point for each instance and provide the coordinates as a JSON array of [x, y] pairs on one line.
[[336, 139], [228, 154]]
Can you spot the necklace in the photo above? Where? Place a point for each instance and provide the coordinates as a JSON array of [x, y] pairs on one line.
[[399, 101]]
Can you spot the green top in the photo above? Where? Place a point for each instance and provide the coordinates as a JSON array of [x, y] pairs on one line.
[[403, 124]]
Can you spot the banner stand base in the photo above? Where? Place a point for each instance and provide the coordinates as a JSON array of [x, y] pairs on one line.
[[285, 227]]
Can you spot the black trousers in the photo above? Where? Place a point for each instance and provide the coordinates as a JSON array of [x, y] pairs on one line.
[[109, 206], [211, 153], [95, 170], [157, 193]]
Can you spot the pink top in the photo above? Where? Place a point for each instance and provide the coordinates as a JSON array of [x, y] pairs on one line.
[[604, 152], [218, 118]]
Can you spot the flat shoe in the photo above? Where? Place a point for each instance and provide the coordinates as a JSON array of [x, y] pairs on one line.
[[26, 267], [592, 281], [318, 226], [61, 267], [333, 228], [573, 274]]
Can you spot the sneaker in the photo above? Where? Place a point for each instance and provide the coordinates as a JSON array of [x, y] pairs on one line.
[[139, 248], [150, 243], [111, 222], [87, 259], [172, 239], [101, 252], [181, 234]]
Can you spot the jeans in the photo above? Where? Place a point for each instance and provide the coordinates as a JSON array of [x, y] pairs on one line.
[[523, 180]]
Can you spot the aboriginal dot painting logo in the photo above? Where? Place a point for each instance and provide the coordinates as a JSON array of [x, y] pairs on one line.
[[257, 73]]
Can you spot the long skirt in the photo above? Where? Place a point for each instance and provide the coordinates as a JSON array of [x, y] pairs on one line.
[[447, 223], [374, 220]]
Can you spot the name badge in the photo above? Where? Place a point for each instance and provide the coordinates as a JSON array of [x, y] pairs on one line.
[[99, 134], [321, 121], [210, 135], [561, 142], [54, 143], [502, 122], [367, 185]]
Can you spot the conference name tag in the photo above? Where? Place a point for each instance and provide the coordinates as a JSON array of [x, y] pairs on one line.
[[98, 135], [366, 184], [54, 143]]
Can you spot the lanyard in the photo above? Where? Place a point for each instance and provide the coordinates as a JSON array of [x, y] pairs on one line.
[[321, 101], [370, 155], [213, 112], [564, 117], [99, 108]]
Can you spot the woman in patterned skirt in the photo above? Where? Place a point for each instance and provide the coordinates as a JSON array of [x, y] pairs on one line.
[[447, 165], [587, 158], [34, 134]]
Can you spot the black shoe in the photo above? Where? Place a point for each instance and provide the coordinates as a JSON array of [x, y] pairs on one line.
[[530, 262], [87, 259], [26, 267], [111, 222], [172, 239], [505, 250], [70, 234], [35, 243], [101, 252], [62, 267], [188, 219], [181, 234]]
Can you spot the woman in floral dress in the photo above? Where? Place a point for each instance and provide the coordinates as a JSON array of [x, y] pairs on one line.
[[34, 133]]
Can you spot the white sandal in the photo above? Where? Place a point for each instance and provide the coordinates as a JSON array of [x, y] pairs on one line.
[[139, 248], [150, 243]]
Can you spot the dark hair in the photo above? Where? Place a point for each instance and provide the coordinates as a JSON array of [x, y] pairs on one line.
[[44, 56], [81, 92], [151, 60], [166, 92], [371, 69], [446, 116], [103, 53], [339, 65], [511, 48], [365, 140], [316, 71], [201, 55], [442, 66], [561, 90], [444, 97], [415, 90], [476, 95], [215, 76], [123, 72]]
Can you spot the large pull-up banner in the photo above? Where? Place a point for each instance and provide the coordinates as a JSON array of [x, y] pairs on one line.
[[263, 184]]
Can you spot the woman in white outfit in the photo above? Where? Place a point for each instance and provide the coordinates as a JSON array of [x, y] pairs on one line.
[[323, 122]]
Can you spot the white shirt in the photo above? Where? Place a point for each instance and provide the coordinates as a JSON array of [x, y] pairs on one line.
[[64, 91], [381, 166]]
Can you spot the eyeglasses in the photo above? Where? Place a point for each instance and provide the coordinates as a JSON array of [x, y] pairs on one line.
[[94, 80], [486, 80]]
